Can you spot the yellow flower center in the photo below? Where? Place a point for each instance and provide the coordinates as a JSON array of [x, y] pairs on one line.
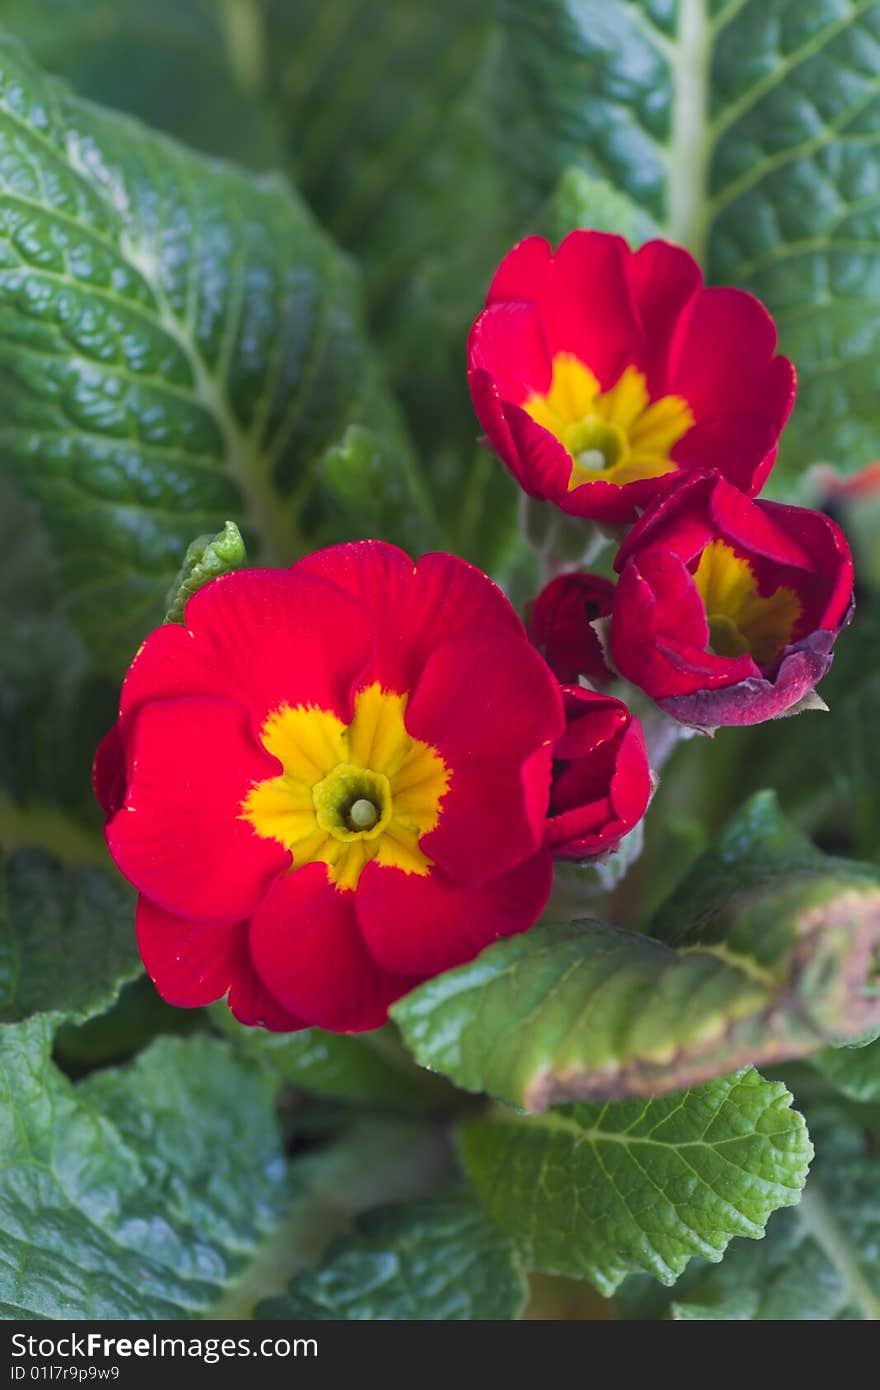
[[740, 618], [349, 794], [619, 435]]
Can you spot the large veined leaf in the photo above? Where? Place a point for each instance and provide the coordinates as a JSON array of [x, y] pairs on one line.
[[770, 952], [160, 1190], [818, 1262], [600, 1191], [437, 1260], [179, 345], [747, 128], [67, 938]]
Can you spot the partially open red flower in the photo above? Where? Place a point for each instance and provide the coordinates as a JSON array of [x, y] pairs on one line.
[[726, 609], [598, 373], [331, 783], [601, 779], [560, 626]]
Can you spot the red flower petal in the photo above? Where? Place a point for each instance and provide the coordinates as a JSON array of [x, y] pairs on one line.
[[194, 963], [588, 307], [190, 963], [508, 342], [308, 951], [179, 837], [560, 626], [523, 273], [411, 607], [506, 703], [263, 637], [601, 781], [721, 353], [251, 1003], [108, 772], [663, 278], [420, 924]]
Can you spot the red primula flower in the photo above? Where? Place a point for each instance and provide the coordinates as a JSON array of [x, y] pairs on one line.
[[560, 626], [601, 779], [331, 784], [726, 609], [598, 373]]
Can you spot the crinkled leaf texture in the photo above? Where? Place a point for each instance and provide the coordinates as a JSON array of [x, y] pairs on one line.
[[747, 129], [817, 1263], [600, 1191], [141, 1193], [437, 1260], [181, 344], [66, 937], [771, 954], [161, 1189]]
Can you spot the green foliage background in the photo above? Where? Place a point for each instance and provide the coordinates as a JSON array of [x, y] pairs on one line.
[[241, 242]]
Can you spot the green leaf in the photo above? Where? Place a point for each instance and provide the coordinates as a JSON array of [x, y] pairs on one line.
[[206, 558], [599, 1191], [180, 345], [141, 1193], [746, 128], [160, 1189], [183, 66], [855, 1071], [54, 708], [367, 1068], [769, 953], [438, 1260], [817, 1263], [67, 940]]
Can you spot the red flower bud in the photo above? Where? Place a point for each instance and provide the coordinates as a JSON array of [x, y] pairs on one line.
[[601, 779], [330, 784], [560, 626], [727, 609], [598, 373]]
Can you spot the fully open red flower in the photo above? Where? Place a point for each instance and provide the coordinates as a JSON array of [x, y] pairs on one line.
[[598, 373], [560, 626], [726, 609], [330, 784], [601, 779]]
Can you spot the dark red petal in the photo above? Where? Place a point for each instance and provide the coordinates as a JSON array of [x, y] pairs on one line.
[[309, 953], [588, 308], [663, 278], [507, 341], [560, 626], [190, 963], [108, 772], [412, 607], [262, 637], [179, 837], [420, 924], [523, 272], [757, 699], [490, 413]]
